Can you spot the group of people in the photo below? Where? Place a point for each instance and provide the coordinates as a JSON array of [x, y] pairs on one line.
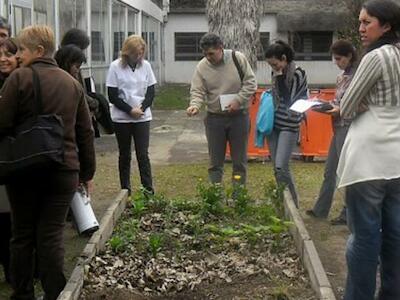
[[34, 205], [363, 152], [363, 156]]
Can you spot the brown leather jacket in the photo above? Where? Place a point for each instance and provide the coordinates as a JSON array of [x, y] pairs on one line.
[[61, 95]]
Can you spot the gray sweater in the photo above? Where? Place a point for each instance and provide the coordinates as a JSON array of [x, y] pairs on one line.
[[210, 81]]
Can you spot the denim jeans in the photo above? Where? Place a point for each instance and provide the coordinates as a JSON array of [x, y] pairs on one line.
[[324, 202], [281, 144], [373, 210]]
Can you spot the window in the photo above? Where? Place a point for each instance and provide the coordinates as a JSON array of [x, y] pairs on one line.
[[118, 27], [264, 41], [72, 15], [99, 32], [97, 46], [44, 12], [187, 46], [132, 21], [312, 45]]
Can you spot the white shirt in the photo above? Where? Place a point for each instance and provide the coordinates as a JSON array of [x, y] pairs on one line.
[[132, 87]]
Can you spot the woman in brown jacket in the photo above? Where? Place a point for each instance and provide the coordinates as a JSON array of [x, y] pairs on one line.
[[40, 198]]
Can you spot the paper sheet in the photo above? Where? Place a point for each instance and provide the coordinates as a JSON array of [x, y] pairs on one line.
[[226, 99], [303, 105]]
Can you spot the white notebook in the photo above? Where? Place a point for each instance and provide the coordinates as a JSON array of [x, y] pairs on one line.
[[226, 99]]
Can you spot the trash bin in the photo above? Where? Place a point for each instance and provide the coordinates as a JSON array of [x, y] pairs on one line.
[[252, 151], [316, 131]]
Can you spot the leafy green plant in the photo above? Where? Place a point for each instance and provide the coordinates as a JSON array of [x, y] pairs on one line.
[[116, 243], [274, 194], [211, 196], [155, 243], [241, 198]]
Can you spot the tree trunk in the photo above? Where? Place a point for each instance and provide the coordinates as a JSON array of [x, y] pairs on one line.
[[350, 30], [238, 23]]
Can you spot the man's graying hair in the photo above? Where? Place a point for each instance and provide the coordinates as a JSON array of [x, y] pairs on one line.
[[210, 40]]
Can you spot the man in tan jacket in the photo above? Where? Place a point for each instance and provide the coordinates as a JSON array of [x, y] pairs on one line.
[[224, 82]]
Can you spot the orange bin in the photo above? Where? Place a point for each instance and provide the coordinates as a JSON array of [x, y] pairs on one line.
[[252, 151], [316, 132]]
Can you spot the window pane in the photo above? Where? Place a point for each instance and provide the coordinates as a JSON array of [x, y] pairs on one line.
[[264, 41], [44, 12], [5, 9], [118, 27], [132, 21], [187, 46], [99, 31], [22, 17], [312, 45], [72, 15]]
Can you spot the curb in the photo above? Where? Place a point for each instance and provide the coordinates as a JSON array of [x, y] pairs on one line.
[[307, 251], [96, 243]]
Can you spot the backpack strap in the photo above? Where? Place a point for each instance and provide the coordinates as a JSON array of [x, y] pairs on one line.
[[238, 67]]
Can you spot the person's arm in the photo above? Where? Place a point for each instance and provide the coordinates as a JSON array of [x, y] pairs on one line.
[[367, 74], [249, 82], [197, 90], [148, 98], [118, 102], [85, 140]]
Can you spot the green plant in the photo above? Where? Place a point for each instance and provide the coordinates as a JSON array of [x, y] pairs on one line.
[[155, 243], [241, 197], [211, 196], [274, 195], [116, 243]]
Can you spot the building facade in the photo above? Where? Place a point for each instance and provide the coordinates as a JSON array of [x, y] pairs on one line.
[[308, 25], [107, 22], [173, 28]]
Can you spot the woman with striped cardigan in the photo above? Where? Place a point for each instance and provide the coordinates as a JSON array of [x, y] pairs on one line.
[[289, 83], [369, 164]]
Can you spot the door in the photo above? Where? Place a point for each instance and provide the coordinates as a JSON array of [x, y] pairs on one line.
[[21, 12]]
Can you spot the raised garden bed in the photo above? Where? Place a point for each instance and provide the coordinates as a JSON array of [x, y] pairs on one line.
[[211, 247]]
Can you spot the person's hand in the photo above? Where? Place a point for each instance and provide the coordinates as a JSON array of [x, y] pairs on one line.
[[136, 113], [233, 106], [335, 111], [88, 186], [192, 111]]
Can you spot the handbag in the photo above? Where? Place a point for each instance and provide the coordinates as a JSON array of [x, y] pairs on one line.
[[265, 118], [36, 143]]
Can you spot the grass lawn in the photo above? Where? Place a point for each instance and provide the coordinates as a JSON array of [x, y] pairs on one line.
[[172, 97]]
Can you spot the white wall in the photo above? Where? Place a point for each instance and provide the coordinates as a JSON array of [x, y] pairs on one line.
[[181, 71], [318, 72]]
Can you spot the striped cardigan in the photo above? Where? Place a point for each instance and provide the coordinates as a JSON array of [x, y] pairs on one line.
[[286, 90], [376, 81]]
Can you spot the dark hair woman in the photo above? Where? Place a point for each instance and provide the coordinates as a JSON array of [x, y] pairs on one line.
[[345, 57], [289, 83], [70, 58], [369, 165], [8, 63]]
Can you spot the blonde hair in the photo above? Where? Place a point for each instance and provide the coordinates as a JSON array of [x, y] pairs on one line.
[[132, 45], [38, 35]]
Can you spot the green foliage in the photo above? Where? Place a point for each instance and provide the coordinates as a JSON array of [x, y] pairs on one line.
[[211, 196], [116, 243], [274, 195], [242, 198], [155, 243]]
